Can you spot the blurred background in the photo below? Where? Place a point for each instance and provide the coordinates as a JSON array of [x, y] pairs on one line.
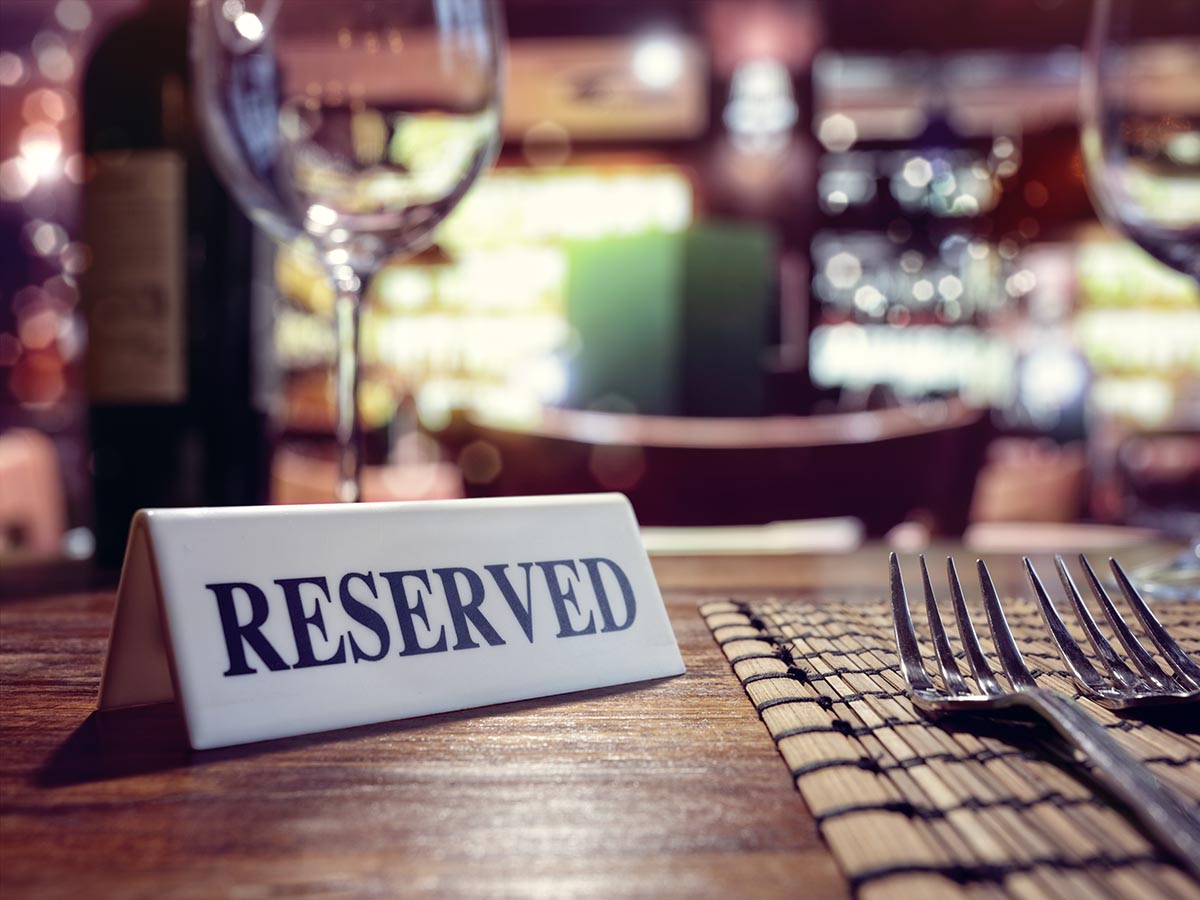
[[745, 261]]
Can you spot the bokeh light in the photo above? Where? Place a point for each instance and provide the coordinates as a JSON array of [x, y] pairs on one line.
[[658, 61], [41, 147], [12, 70], [74, 15]]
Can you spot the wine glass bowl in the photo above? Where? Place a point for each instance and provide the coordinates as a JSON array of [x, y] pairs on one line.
[[358, 123], [1140, 105], [1141, 130]]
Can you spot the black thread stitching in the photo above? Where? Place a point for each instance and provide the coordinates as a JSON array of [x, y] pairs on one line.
[[841, 726], [825, 702], [750, 637], [744, 657], [875, 765], [964, 873], [974, 804], [792, 673], [863, 762]]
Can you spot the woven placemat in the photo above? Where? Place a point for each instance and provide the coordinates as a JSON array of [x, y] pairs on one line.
[[909, 808]]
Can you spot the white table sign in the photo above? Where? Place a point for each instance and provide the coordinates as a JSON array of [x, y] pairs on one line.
[[272, 621]]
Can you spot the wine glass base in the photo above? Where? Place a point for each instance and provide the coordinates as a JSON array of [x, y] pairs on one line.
[[1175, 579]]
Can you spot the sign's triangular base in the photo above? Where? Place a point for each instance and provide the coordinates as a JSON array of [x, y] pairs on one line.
[[137, 670]]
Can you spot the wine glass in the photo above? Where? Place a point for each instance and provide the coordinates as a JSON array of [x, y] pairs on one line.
[[1141, 147], [359, 124]]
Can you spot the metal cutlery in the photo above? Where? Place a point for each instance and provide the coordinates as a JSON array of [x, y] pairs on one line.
[[1157, 809], [1123, 688]]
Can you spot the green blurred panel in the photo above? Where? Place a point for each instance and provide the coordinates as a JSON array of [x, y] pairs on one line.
[[728, 283], [624, 300]]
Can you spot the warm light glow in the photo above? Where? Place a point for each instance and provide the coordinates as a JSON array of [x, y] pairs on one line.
[[1020, 283], [544, 377], [322, 216], [37, 380], [39, 330], [836, 201], [837, 133], [658, 62], [1184, 148], [870, 300], [1147, 401], [18, 177], [1161, 341], [964, 206], [843, 270], [508, 279], [915, 361], [950, 287], [249, 26], [73, 168], [41, 147], [1118, 274], [47, 105], [516, 207], [406, 288]]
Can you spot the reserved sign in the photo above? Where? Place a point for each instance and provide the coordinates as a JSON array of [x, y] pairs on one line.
[[273, 621]]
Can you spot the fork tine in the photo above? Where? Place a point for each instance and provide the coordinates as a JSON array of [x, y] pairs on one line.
[[966, 632], [951, 677], [1103, 649], [1145, 663], [1180, 661], [1075, 659], [1006, 648], [906, 636]]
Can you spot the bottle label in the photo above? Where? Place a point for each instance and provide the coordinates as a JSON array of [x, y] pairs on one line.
[[135, 291]]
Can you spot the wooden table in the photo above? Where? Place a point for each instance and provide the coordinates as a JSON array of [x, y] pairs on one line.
[[670, 788]]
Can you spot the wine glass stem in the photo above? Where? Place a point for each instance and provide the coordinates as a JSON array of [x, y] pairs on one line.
[[348, 427]]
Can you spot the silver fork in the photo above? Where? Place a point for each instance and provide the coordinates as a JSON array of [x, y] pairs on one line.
[[1162, 815], [1124, 688]]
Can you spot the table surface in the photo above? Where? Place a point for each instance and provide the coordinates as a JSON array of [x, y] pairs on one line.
[[667, 788]]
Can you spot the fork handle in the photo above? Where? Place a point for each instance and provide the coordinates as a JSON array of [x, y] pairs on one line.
[[1157, 809]]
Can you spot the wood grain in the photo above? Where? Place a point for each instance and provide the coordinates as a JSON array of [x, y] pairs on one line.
[[671, 788]]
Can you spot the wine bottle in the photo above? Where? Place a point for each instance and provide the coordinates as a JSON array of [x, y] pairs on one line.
[[173, 416]]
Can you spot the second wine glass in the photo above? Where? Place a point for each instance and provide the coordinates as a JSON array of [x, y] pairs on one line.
[[360, 124], [1141, 148]]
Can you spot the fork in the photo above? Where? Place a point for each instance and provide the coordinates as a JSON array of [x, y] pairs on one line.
[[1123, 688], [1152, 805]]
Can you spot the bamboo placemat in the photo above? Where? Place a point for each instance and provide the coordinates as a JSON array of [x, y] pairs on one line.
[[913, 809]]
